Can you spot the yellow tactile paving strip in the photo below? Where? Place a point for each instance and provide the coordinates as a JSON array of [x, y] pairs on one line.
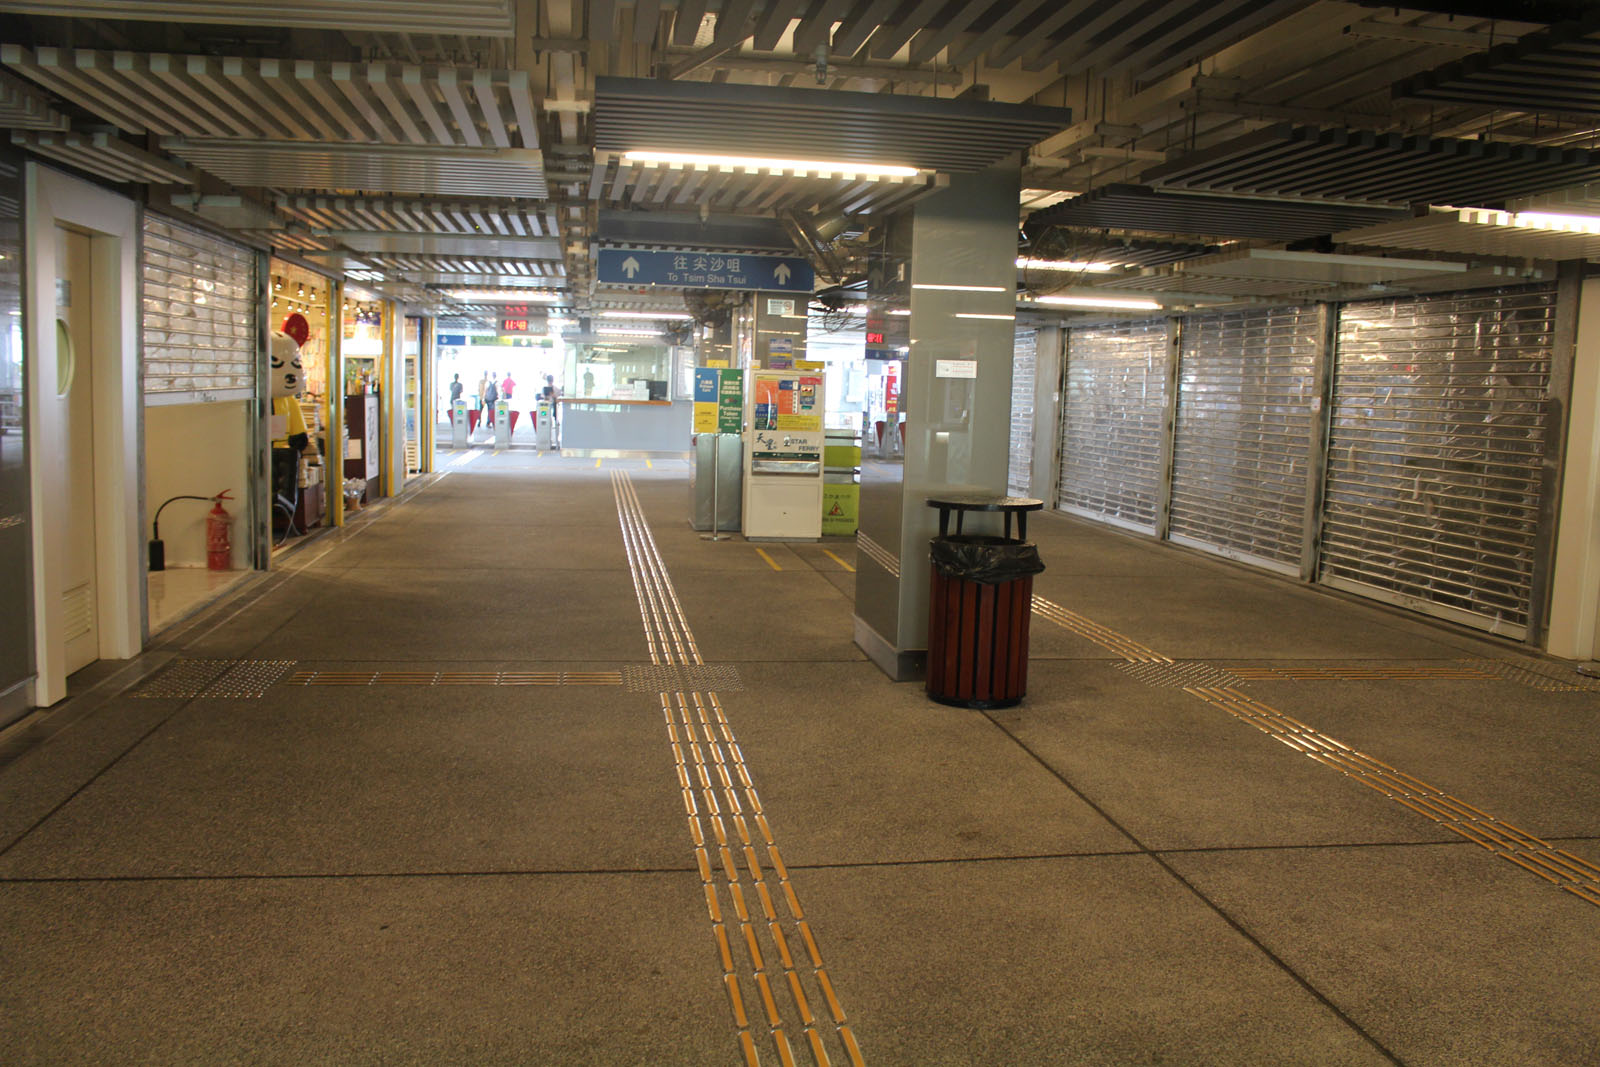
[[1562, 868], [1364, 673], [1117, 644], [778, 989], [431, 678]]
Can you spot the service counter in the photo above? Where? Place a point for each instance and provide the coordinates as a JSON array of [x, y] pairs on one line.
[[589, 424]]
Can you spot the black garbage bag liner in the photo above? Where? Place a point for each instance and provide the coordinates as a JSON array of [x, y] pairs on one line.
[[985, 559]]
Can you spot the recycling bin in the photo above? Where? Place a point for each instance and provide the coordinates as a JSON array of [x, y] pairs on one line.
[[980, 604]]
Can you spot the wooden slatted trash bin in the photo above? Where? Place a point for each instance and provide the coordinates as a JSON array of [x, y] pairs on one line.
[[980, 602]]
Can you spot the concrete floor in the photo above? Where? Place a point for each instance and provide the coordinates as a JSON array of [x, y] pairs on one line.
[[211, 855]]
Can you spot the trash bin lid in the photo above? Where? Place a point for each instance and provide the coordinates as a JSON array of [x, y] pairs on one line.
[[983, 502]]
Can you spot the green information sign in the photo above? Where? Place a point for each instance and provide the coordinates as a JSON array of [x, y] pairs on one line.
[[730, 401], [718, 400]]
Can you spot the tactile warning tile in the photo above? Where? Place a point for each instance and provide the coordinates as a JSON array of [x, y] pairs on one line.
[[451, 678], [1179, 675], [682, 678], [183, 678], [248, 679], [239, 679]]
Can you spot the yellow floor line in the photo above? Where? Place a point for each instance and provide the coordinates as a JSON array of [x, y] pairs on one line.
[[839, 561], [770, 561]]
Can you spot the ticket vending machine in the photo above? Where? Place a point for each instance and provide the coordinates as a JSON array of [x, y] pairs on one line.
[[783, 445]]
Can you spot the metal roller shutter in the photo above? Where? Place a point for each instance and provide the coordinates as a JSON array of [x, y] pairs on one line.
[[1113, 411], [1024, 371], [1239, 465], [1433, 485], [199, 315]]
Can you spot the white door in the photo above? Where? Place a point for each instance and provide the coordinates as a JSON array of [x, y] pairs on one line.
[[75, 380]]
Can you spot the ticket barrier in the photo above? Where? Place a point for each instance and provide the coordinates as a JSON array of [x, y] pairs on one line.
[[458, 424], [544, 424], [502, 424]]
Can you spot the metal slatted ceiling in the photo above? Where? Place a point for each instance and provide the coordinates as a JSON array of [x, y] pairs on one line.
[[103, 155], [505, 218], [1556, 69], [736, 190], [1145, 210], [1112, 413], [487, 18], [370, 168], [1477, 232], [291, 239], [1344, 164], [1436, 450], [1314, 267], [1247, 380], [288, 100], [25, 108], [1139, 253], [749, 120], [1146, 38], [485, 265]]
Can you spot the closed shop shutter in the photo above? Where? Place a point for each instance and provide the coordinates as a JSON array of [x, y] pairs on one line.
[[1435, 452], [1113, 410], [199, 315], [1239, 465], [1024, 371]]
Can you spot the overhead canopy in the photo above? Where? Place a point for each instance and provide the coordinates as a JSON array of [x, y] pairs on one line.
[[745, 120], [1347, 164], [1146, 210]]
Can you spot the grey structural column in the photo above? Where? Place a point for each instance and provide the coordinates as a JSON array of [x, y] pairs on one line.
[[955, 265]]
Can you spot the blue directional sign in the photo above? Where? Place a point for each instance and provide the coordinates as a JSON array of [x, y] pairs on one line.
[[705, 270]]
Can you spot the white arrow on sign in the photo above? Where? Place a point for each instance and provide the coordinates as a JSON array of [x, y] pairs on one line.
[[782, 272], [630, 267]]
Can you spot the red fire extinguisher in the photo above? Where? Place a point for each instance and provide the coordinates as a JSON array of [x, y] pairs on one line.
[[219, 542]]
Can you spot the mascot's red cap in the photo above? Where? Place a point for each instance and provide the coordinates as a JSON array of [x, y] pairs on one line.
[[297, 327]]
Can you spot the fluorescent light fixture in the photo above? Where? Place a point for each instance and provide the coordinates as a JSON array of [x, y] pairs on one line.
[[816, 166], [975, 315], [623, 331], [1108, 303], [506, 296], [899, 311], [653, 315], [1542, 220], [963, 288], [1023, 263]]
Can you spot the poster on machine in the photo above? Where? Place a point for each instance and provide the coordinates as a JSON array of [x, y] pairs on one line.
[[786, 419], [786, 401]]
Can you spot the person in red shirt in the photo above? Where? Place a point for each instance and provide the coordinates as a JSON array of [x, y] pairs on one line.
[[506, 387]]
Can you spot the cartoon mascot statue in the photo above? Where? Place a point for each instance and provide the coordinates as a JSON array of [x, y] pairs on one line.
[[288, 379]]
